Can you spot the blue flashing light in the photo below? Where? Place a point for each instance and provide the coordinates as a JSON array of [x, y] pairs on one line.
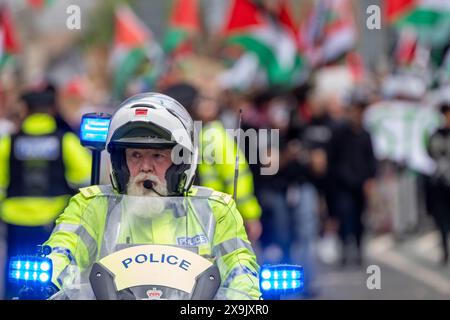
[[266, 285], [94, 130], [30, 269], [45, 266], [44, 277], [281, 279], [29, 276], [266, 274]]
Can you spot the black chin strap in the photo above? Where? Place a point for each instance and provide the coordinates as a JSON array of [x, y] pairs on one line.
[[120, 169], [176, 178]]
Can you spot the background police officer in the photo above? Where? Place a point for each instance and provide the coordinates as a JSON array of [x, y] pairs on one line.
[[39, 168]]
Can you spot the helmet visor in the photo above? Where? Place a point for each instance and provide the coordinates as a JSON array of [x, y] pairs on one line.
[[142, 135]]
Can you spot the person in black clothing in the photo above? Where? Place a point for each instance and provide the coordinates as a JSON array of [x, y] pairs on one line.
[[288, 198], [352, 166], [439, 183], [271, 189], [316, 135]]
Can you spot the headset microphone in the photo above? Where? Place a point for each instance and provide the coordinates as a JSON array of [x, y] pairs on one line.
[[148, 184]]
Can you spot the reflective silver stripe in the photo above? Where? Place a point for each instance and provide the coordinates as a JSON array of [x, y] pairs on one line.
[[205, 215], [238, 271], [66, 272], [113, 216], [231, 245], [84, 236], [64, 251], [178, 210], [66, 227], [106, 189], [203, 192]]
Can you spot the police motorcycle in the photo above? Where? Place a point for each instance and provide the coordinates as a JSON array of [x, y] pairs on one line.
[[151, 248]]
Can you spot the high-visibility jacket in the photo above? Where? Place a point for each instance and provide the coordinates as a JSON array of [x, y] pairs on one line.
[[215, 229], [216, 169], [39, 166]]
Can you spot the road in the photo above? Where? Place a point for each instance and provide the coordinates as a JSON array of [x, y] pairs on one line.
[[409, 269]]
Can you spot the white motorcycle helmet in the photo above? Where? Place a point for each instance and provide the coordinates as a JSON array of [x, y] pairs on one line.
[[153, 121]]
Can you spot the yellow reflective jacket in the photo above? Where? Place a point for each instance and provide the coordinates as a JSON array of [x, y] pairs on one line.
[[217, 172], [78, 238], [29, 210]]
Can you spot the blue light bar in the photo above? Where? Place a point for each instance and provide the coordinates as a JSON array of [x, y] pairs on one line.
[[94, 130], [281, 279], [30, 268], [16, 275]]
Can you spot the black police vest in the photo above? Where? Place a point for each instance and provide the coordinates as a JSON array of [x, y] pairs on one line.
[[36, 166]]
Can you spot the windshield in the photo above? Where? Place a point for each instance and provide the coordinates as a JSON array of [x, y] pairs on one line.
[[116, 222]]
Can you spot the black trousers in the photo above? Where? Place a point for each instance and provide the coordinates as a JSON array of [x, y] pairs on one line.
[[440, 210], [349, 207]]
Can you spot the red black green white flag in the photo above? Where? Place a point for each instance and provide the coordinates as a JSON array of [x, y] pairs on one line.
[[273, 41], [9, 44], [133, 51], [183, 26], [329, 32], [40, 4], [429, 18]]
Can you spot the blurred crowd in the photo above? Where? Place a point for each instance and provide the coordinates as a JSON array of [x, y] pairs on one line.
[[360, 152]]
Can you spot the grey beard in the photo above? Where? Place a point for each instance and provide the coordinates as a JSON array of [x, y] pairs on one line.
[[134, 189], [142, 202]]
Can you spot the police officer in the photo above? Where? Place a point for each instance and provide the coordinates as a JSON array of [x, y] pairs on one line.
[[39, 166], [141, 138]]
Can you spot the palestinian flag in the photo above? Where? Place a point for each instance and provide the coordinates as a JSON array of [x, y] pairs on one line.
[[405, 51], [40, 4], [133, 43], [355, 64], [9, 45], [429, 18], [329, 33], [183, 25], [273, 41]]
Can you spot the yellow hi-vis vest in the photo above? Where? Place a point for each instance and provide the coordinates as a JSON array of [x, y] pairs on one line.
[[38, 167], [77, 240], [220, 176]]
